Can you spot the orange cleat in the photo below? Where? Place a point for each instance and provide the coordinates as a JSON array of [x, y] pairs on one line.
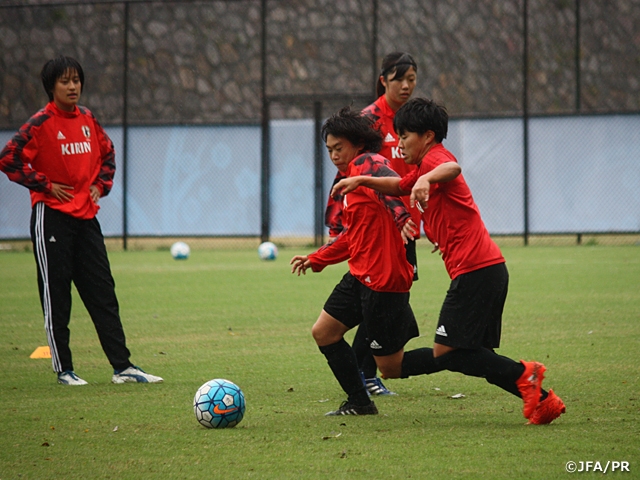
[[530, 386], [548, 410]]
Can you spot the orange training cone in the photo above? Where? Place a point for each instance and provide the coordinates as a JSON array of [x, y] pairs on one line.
[[41, 352]]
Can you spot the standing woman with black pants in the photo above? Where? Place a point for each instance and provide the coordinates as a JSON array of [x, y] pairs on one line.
[[67, 161]]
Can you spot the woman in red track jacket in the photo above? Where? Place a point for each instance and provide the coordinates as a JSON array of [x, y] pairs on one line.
[[67, 161]]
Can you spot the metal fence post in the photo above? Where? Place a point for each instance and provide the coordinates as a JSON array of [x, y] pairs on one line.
[[125, 128], [265, 167], [318, 176], [525, 121]]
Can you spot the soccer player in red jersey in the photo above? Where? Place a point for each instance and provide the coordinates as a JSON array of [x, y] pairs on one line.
[[395, 85], [470, 321], [375, 291], [67, 161]]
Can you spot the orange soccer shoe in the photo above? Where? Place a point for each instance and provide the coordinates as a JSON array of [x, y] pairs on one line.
[[530, 386], [548, 410]]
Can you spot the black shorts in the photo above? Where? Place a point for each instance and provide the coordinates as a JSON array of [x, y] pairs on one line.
[[471, 315], [388, 317]]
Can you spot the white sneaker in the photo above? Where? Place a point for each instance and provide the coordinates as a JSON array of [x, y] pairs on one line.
[[70, 378], [135, 375]]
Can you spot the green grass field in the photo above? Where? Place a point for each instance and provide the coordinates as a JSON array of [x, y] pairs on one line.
[[226, 314]]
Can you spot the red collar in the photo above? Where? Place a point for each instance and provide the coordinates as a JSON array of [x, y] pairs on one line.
[[61, 113]]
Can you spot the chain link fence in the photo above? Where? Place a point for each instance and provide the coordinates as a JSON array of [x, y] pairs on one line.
[[214, 108]]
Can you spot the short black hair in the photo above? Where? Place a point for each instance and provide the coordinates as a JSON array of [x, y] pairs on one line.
[[355, 127], [56, 68], [396, 63], [420, 115]]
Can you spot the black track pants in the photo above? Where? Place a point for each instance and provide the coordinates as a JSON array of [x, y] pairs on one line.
[[69, 249]]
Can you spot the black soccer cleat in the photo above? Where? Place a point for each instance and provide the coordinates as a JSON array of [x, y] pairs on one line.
[[347, 408]]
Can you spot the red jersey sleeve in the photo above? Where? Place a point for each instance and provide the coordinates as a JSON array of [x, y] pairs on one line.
[[378, 167], [333, 212], [17, 155], [409, 180], [436, 156], [331, 253], [104, 180], [396, 206]]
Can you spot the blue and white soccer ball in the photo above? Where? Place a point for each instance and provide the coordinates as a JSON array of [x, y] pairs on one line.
[[180, 251], [219, 403], [268, 251]]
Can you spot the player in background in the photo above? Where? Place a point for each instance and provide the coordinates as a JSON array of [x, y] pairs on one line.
[[67, 161], [469, 326], [395, 85], [375, 291]]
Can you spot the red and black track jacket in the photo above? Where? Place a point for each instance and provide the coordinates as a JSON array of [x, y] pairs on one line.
[[69, 148], [382, 114], [371, 240]]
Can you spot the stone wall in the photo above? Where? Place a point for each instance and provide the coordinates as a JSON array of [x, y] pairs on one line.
[[199, 61]]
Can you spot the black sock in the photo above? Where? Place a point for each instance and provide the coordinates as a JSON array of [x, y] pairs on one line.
[[419, 362], [482, 362], [343, 364], [368, 366], [364, 357]]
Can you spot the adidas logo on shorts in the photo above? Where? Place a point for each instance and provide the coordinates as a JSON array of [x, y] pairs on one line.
[[375, 345], [441, 331]]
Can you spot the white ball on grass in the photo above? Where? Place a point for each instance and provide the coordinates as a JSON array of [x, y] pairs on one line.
[[180, 251], [268, 251]]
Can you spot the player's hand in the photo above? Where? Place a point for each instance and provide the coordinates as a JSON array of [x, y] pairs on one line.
[[420, 194], [345, 186], [300, 264], [95, 193], [409, 231], [436, 248], [61, 192]]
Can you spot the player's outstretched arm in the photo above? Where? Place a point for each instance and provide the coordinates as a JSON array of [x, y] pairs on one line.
[[384, 185], [443, 173], [300, 263]]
